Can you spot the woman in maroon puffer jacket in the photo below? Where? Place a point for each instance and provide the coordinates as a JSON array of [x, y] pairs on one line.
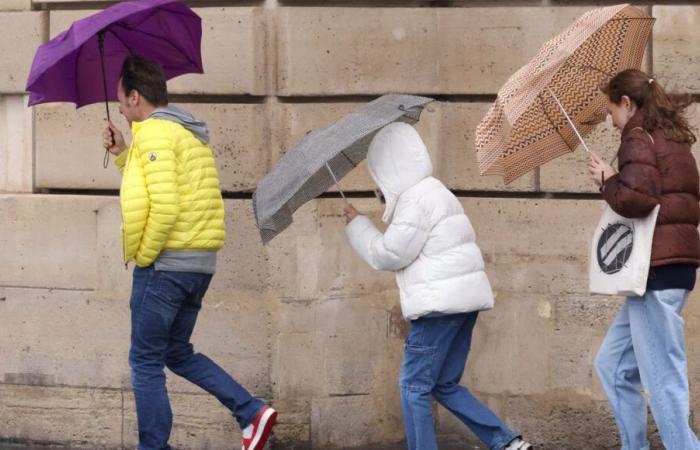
[[645, 346]]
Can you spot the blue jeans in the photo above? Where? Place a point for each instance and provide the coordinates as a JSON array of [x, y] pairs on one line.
[[164, 308], [434, 358], [645, 348]]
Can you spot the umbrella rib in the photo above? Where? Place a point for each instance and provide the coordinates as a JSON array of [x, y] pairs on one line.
[[77, 58], [164, 7], [187, 56], [342, 152], [128, 49], [544, 110]]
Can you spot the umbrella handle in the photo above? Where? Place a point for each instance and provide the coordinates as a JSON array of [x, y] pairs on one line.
[[345, 200], [580, 138]]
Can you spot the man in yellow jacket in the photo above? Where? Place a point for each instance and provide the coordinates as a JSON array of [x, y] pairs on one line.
[[173, 225]]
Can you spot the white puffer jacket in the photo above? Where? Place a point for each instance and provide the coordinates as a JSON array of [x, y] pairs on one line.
[[430, 243]]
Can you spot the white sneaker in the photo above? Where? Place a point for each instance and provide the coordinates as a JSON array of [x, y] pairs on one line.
[[518, 444]]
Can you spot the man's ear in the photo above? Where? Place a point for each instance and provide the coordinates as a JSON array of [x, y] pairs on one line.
[[134, 98]]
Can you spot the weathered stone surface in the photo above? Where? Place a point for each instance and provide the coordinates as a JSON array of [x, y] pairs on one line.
[[307, 324], [354, 421], [492, 346], [69, 148], [461, 50], [354, 335], [16, 144], [530, 246], [199, 422], [234, 53], [49, 242], [23, 32], [79, 418], [569, 173], [16, 5], [676, 37], [87, 344]]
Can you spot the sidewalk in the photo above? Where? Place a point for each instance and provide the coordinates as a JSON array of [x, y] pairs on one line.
[[4, 446]]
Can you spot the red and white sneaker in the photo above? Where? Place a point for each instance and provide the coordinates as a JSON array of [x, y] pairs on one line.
[[256, 434]]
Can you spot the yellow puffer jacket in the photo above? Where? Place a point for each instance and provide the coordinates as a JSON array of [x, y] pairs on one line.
[[170, 193]]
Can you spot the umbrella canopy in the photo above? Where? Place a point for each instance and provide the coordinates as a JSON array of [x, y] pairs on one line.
[[528, 126], [315, 163], [82, 64]]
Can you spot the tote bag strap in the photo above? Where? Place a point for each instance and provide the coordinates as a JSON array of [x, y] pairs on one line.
[[645, 132]]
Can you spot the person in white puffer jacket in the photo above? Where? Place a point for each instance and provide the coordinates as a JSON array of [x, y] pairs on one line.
[[431, 246]]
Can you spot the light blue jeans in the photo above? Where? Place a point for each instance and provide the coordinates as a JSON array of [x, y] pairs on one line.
[[434, 358], [645, 349]]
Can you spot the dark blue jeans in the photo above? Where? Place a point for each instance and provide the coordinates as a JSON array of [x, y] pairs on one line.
[[434, 359], [164, 308]]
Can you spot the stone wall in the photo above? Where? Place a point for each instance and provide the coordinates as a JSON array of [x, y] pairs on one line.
[[303, 323]]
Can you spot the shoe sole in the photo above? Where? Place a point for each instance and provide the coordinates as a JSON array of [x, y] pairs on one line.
[[267, 421]]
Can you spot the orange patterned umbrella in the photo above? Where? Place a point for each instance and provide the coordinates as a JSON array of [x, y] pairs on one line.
[[528, 125]]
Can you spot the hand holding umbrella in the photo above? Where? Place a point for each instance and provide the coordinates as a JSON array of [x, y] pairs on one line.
[[546, 108], [600, 170], [322, 158], [113, 140], [82, 64]]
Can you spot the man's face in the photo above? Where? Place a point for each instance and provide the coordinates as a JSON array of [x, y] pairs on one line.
[[127, 104]]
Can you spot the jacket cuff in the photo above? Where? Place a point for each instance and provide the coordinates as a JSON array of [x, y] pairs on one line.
[[358, 225], [609, 182], [120, 160]]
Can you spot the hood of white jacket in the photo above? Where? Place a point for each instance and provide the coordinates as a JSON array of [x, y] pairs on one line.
[[397, 160]]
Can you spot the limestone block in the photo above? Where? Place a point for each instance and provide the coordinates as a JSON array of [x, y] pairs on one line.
[[16, 144], [532, 245], [493, 346], [77, 417], [49, 242], [546, 421], [23, 32], [70, 153], [676, 37], [64, 337], [297, 366], [354, 340], [351, 421], [569, 173], [445, 50], [16, 5], [199, 422]]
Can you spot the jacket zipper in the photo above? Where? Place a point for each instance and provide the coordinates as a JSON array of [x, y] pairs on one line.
[[121, 210]]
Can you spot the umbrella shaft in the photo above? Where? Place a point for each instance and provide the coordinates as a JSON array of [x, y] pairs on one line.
[[580, 138], [328, 166], [101, 42]]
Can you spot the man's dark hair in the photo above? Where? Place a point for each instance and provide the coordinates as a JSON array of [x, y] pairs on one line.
[[146, 77]]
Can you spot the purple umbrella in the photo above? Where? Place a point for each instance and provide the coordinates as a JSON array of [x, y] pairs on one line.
[[82, 64]]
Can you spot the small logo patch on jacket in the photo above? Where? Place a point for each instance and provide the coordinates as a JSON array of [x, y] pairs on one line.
[[152, 156]]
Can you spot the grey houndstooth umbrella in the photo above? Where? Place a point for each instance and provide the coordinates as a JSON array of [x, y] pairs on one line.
[[322, 157]]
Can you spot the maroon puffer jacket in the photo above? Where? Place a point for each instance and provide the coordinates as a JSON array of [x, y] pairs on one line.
[[665, 172]]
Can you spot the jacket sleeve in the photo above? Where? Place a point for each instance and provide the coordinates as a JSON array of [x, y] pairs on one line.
[[157, 156], [120, 160], [635, 190], [395, 249]]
